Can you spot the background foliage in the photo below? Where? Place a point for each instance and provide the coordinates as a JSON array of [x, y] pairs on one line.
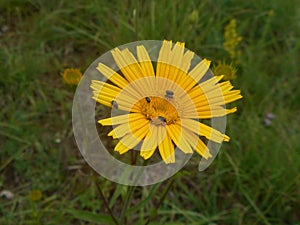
[[255, 178]]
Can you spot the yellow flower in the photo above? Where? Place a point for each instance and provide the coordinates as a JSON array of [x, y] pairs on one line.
[[163, 105], [72, 76], [35, 195], [194, 16], [227, 70], [232, 40]]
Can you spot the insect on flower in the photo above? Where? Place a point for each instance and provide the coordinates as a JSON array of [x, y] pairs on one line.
[[169, 94], [148, 99], [163, 119], [114, 104]]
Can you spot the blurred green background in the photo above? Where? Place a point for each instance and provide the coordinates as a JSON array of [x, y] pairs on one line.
[[43, 178]]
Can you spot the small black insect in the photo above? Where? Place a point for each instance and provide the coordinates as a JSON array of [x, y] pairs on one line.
[[114, 104], [163, 119], [148, 99], [169, 94]]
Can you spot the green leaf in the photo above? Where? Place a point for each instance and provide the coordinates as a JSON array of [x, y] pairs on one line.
[[145, 201], [91, 217], [121, 189]]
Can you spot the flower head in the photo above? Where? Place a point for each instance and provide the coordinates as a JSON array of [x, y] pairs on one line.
[[163, 105], [35, 195], [72, 76], [227, 70]]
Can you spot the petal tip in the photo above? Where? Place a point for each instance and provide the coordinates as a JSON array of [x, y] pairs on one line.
[[226, 138]]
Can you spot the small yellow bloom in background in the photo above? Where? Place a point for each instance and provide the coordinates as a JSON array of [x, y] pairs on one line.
[[271, 13], [227, 70], [231, 39], [164, 105], [72, 76], [194, 16], [35, 195]]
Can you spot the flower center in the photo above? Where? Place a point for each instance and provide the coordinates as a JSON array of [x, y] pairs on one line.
[[159, 111]]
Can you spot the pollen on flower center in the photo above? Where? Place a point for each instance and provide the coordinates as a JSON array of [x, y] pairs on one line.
[[159, 111]]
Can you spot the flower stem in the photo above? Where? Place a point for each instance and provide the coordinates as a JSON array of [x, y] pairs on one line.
[[162, 198], [127, 202], [133, 156], [105, 202]]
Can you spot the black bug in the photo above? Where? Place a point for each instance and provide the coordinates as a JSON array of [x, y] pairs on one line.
[[169, 94], [148, 99], [114, 104], [162, 119]]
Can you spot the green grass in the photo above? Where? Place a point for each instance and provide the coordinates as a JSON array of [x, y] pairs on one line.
[[255, 178]]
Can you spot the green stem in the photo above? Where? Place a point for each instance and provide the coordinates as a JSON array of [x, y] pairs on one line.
[[106, 203], [133, 155], [127, 203], [162, 198]]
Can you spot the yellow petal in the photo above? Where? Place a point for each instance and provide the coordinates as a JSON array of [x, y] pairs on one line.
[[166, 150], [112, 75], [232, 96], [99, 85], [151, 140], [202, 150], [103, 102], [190, 137], [175, 61], [213, 112], [103, 92], [125, 128], [181, 76], [145, 61], [146, 154], [121, 148], [187, 81], [126, 118], [127, 64], [146, 65], [196, 143], [225, 86], [108, 92], [119, 131], [186, 61], [130, 140], [224, 98], [173, 64], [204, 130], [163, 58], [178, 70], [201, 91], [175, 132], [125, 99], [154, 138], [207, 100], [138, 89], [193, 89], [200, 70], [103, 99], [210, 85]]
